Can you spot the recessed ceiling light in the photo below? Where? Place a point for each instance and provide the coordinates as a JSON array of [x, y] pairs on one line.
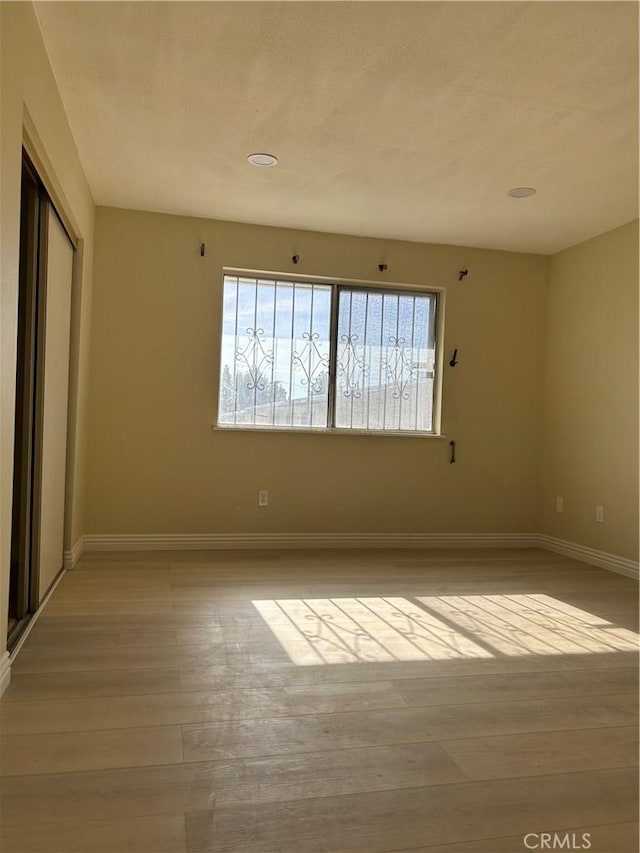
[[521, 192], [264, 160]]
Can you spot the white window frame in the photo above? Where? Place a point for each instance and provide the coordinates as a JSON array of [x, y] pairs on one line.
[[336, 283]]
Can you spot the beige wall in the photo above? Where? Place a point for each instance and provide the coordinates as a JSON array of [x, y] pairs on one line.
[[27, 83], [590, 430], [155, 465]]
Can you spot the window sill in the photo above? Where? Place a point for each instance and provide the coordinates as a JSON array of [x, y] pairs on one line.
[[325, 431]]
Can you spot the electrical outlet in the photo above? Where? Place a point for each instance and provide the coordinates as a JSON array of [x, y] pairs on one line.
[[600, 514], [263, 497], [559, 504]]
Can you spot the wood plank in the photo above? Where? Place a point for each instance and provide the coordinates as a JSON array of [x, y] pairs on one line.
[[165, 834], [517, 685], [113, 794], [375, 822], [69, 751], [549, 752], [178, 708], [34, 659], [196, 786], [239, 673], [282, 735], [50, 686]]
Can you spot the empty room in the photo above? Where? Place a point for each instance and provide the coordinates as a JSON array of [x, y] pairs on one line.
[[319, 427]]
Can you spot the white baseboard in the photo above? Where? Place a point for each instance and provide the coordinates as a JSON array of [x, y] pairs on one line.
[[602, 559], [5, 672], [265, 541], [232, 541], [72, 556]]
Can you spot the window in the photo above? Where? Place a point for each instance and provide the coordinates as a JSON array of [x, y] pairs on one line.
[[309, 355]]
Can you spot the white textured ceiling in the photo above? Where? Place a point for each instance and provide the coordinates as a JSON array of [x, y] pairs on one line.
[[397, 120]]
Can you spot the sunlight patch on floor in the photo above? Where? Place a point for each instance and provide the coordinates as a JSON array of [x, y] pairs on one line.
[[531, 624], [316, 631]]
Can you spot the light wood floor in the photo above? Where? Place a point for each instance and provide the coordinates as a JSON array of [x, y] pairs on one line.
[[437, 701]]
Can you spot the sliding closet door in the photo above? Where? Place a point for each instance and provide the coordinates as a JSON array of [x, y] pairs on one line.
[[55, 397]]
